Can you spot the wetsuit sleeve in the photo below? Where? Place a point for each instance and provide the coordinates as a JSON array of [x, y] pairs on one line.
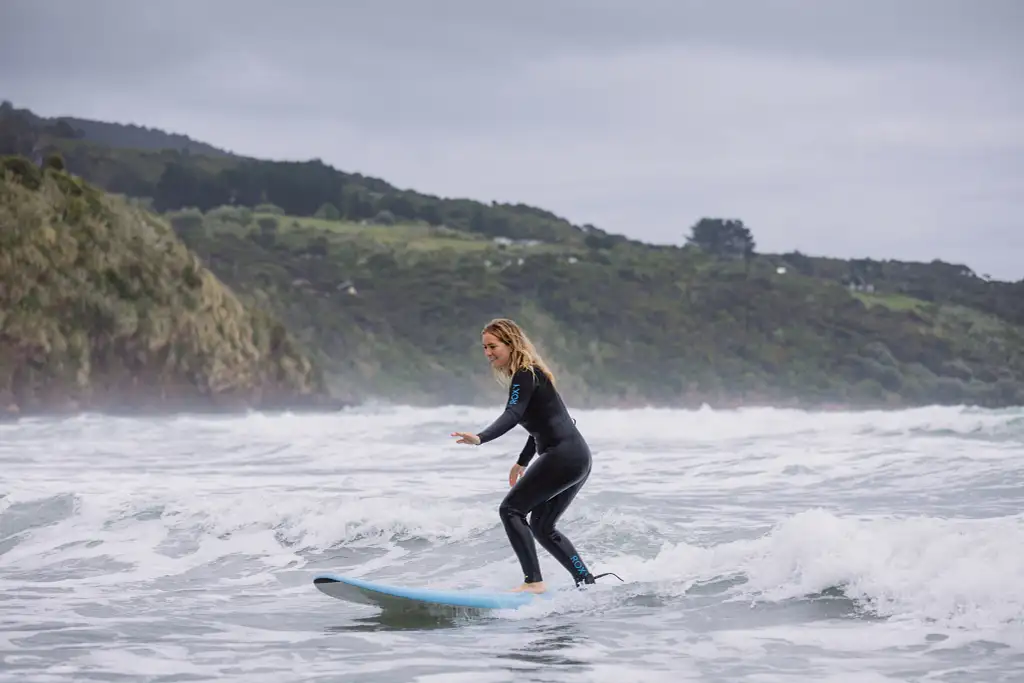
[[519, 393], [529, 450]]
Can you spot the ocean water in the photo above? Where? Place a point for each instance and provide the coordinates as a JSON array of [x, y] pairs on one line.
[[755, 545]]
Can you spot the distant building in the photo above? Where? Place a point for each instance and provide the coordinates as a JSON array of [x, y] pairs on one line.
[[858, 284]]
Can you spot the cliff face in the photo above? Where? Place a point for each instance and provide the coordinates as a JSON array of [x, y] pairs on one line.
[[102, 307]]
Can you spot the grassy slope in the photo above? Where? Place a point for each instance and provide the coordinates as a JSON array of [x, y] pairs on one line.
[[396, 310], [101, 305]]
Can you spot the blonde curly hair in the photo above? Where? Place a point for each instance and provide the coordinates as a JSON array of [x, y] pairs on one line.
[[522, 356]]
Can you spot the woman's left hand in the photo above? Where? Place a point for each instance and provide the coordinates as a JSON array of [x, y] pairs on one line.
[[467, 438]]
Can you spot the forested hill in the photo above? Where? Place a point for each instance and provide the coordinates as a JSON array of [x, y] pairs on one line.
[[117, 135], [140, 162], [387, 289]]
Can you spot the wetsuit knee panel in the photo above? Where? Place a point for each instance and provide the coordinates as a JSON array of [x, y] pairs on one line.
[[508, 508]]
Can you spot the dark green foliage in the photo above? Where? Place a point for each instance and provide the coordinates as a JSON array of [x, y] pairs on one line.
[[722, 238], [54, 162], [131, 136], [22, 171], [328, 211]]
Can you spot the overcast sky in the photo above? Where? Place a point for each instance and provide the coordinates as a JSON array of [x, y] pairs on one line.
[[881, 128]]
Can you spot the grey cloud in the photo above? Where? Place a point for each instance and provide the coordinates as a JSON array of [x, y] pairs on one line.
[[874, 128], [866, 29]]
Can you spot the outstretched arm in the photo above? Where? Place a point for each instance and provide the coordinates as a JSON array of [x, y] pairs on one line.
[[519, 393]]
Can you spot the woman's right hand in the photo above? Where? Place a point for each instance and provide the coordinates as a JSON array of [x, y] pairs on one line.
[[467, 438], [514, 474]]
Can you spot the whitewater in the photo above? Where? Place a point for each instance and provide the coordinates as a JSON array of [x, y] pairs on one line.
[[755, 545]]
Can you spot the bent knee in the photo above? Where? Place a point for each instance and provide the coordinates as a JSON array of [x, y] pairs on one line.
[[542, 529], [507, 509]]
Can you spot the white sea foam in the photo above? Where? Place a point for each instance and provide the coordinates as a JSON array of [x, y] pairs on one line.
[[185, 546]]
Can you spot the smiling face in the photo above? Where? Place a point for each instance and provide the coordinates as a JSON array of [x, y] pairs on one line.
[[496, 351]]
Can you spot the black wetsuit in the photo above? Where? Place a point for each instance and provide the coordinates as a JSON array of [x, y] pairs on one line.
[[549, 485]]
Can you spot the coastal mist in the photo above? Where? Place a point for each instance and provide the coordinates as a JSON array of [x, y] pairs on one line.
[[756, 544]]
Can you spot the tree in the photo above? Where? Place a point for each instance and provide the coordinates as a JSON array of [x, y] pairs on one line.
[[182, 185], [188, 224], [722, 237], [54, 161], [328, 211], [799, 262]]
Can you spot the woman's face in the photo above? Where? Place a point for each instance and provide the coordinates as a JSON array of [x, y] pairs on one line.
[[496, 351]]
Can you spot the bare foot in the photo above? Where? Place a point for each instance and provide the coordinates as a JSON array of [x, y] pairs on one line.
[[535, 587]]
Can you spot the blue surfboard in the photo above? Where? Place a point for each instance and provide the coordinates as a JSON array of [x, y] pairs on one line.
[[386, 596]]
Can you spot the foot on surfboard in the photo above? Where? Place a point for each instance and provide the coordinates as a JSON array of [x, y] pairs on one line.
[[536, 587]]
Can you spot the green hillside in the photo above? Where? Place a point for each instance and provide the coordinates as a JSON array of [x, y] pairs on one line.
[[396, 311], [387, 289], [102, 307]]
